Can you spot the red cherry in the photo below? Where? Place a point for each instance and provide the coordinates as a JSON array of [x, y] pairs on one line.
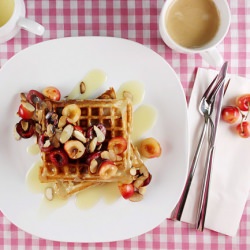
[[25, 128], [34, 97], [126, 190], [117, 144], [243, 102], [26, 110], [147, 181], [52, 93], [59, 157], [91, 132], [243, 129], [42, 141], [93, 156], [230, 114], [107, 169]]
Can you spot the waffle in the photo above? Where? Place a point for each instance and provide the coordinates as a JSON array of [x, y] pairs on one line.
[[115, 115], [71, 173]]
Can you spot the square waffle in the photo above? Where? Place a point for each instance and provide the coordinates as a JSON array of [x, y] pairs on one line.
[[115, 115]]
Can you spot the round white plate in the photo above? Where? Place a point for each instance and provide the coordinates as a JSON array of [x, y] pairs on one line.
[[63, 63]]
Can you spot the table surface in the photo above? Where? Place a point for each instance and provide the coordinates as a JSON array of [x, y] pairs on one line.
[[137, 21]]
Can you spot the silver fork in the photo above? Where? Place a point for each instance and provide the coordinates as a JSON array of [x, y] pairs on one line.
[[205, 108]]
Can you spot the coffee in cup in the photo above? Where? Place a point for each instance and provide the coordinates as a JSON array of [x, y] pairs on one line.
[[195, 26]]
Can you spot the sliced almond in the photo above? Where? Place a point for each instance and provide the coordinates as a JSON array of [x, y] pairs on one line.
[[133, 171], [105, 155], [62, 121], [93, 166], [50, 130], [66, 133], [128, 95], [28, 106], [112, 155], [99, 134], [49, 193], [92, 145], [25, 125], [23, 97], [39, 115], [80, 136], [38, 128], [82, 87], [46, 144]]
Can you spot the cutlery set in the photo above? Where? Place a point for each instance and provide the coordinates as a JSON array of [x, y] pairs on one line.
[[211, 98]]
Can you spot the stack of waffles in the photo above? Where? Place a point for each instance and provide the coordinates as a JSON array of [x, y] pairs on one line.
[[78, 173]]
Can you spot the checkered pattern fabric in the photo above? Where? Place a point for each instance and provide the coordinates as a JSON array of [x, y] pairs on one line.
[[137, 21]]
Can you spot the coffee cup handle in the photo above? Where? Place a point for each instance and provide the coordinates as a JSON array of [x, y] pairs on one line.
[[213, 57], [31, 26]]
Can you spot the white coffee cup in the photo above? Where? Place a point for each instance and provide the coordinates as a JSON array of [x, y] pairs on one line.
[[208, 51], [15, 21]]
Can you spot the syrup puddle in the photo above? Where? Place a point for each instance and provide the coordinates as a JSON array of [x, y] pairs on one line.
[[144, 118], [33, 149], [88, 198], [135, 88], [35, 186], [93, 80]]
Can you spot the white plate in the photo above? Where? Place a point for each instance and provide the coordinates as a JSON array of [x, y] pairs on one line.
[[63, 63]]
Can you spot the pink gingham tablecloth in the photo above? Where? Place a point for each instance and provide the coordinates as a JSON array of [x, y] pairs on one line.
[[137, 21]]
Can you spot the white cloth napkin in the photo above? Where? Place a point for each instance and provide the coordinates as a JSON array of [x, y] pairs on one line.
[[230, 179]]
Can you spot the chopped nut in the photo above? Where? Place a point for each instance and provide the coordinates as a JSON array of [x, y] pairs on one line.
[[139, 182], [133, 171], [49, 193], [136, 197], [142, 190], [118, 158], [38, 128], [55, 141], [47, 144], [128, 95], [50, 130], [39, 115], [23, 97]]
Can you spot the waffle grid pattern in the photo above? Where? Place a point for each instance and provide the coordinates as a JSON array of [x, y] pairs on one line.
[[115, 115]]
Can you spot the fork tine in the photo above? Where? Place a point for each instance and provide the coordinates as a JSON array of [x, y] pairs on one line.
[[220, 81], [226, 86], [206, 93]]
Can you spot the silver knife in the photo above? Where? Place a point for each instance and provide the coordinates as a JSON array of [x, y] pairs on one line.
[[202, 207]]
